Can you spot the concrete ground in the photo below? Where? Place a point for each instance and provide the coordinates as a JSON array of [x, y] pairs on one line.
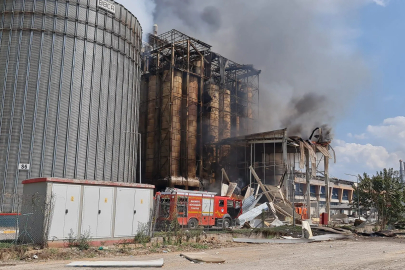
[[370, 253]]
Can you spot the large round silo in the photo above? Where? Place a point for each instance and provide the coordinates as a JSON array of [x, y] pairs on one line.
[[69, 84]]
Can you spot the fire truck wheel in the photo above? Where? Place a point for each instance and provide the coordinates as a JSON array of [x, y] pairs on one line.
[[226, 223], [192, 223]]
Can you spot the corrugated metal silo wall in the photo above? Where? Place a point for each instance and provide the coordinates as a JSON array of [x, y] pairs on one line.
[[69, 84]]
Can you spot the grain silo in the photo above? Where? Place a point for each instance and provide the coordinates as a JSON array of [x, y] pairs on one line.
[[69, 78]]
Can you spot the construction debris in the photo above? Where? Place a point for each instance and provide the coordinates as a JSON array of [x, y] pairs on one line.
[[274, 195], [202, 257], [318, 238], [152, 263], [224, 189], [231, 189], [250, 203], [276, 223], [252, 214], [306, 230]]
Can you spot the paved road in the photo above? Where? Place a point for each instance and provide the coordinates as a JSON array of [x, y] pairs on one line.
[[363, 254]]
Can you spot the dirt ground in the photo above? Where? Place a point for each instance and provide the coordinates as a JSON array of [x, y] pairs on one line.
[[364, 253]]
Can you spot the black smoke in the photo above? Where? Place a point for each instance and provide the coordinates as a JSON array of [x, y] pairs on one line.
[[311, 67]]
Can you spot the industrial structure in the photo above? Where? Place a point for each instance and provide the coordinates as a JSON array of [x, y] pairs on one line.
[[191, 98], [280, 162], [69, 78]]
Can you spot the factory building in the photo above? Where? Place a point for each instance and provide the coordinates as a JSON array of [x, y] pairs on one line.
[[69, 82], [191, 98]]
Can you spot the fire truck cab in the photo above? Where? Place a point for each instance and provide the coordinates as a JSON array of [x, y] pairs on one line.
[[197, 208]]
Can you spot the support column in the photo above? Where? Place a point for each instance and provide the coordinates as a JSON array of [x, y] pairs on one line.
[[308, 179], [326, 168]]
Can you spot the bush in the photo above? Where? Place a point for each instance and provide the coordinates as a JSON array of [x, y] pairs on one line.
[[82, 241], [143, 235]]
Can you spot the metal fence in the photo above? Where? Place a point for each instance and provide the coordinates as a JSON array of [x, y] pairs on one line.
[[16, 228]]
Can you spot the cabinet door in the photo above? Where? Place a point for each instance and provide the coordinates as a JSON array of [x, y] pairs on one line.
[[124, 212], [142, 208], [58, 213], [90, 210], [72, 212], [104, 224]]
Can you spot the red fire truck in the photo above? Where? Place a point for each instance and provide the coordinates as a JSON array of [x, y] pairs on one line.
[[197, 208]]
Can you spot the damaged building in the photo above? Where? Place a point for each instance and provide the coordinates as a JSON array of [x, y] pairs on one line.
[[191, 98], [198, 116]]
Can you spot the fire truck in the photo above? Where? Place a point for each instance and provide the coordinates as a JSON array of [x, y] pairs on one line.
[[197, 208]]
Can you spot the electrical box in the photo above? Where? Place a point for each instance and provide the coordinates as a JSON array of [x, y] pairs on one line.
[[58, 209]]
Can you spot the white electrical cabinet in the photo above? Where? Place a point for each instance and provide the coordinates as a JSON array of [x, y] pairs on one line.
[[66, 209], [101, 210], [131, 215]]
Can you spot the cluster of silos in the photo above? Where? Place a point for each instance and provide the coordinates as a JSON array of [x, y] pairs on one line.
[[166, 117], [69, 77]]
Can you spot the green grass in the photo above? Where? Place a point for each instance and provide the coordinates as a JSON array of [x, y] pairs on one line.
[[6, 244]]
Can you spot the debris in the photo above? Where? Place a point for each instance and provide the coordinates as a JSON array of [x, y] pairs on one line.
[[231, 189], [257, 223], [318, 238], [249, 203], [276, 223], [358, 222], [250, 215], [224, 189], [271, 241], [249, 192], [202, 257], [343, 218], [151, 263], [332, 230], [306, 230], [35, 257], [385, 233]]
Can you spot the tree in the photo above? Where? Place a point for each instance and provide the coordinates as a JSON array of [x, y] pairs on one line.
[[383, 192]]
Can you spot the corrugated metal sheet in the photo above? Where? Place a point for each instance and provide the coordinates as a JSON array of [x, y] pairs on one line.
[[67, 90]]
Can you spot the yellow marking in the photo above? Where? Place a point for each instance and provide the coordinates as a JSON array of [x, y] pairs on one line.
[[8, 232], [105, 200], [72, 199], [141, 201]]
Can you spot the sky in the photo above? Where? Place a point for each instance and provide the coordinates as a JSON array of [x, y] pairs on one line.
[[346, 54], [372, 135]]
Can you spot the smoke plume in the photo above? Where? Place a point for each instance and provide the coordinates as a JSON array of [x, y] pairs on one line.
[[311, 68], [143, 11]]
